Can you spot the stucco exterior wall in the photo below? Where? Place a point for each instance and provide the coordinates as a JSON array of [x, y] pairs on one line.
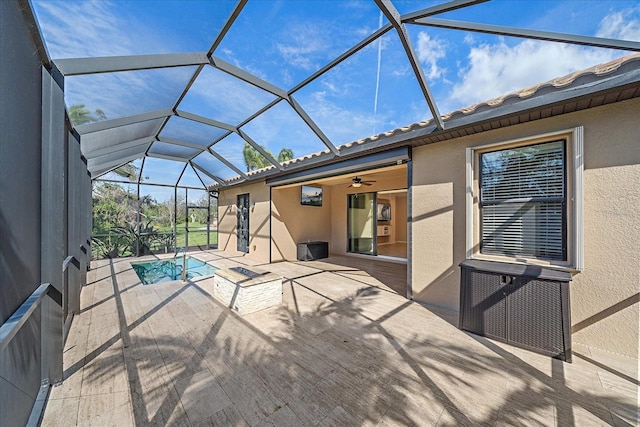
[[293, 223], [604, 307], [259, 209]]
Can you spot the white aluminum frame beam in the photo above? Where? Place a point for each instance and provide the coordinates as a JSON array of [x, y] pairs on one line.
[[441, 8], [168, 157], [98, 167], [104, 147], [248, 78], [227, 163], [205, 120], [110, 64], [115, 158], [219, 180], [355, 49], [189, 165], [123, 121], [183, 143], [260, 150], [314, 127], [530, 34], [394, 17], [227, 25]]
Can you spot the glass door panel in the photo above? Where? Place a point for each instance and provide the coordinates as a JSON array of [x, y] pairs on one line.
[[243, 222], [361, 223]]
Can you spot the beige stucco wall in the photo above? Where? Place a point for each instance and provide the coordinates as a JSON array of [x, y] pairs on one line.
[[290, 221], [293, 223], [604, 295], [259, 240]]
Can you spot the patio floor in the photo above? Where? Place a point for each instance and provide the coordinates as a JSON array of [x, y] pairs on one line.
[[343, 349]]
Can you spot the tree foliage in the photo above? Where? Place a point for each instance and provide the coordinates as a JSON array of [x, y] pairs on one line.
[[79, 115], [285, 154], [253, 160], [113, 206]]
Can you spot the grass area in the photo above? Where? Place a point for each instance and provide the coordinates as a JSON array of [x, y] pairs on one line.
[[122, 244], [197, 238], [197, 234]]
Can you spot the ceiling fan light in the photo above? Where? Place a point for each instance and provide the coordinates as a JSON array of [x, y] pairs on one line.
[[356, 185]]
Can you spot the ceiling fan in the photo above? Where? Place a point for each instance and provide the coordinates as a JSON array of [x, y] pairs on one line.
[[357, 182]]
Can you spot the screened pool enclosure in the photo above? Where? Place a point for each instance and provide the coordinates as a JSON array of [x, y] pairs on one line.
[[134, 219], [123, 120], [203, 106]]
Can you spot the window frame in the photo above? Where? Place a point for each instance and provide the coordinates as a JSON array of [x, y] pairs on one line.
[[574, 168]]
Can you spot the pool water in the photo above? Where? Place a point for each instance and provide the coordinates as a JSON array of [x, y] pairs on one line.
[[171, 269]]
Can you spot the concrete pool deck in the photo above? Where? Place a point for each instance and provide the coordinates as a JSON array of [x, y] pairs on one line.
[[343, 349]]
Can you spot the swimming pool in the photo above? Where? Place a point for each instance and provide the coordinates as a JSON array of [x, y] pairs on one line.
[[170, 269]]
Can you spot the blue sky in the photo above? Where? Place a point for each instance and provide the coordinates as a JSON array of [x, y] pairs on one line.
[[283, 42]]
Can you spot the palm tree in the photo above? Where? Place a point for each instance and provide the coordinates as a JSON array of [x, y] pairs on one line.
[[285, 154], [253, 160], [79, 115], [128, 170]]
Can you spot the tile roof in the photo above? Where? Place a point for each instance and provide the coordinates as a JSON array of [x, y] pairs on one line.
[[598, 71]]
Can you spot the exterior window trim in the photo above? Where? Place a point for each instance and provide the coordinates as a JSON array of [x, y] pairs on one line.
[[575, 197]]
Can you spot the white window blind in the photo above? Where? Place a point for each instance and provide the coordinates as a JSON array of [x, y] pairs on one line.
[[523, 201]]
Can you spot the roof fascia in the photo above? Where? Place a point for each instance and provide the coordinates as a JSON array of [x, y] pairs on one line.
[[428, 133], [519, 106]]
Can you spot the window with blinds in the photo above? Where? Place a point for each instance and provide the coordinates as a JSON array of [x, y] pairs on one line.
[[523, 202]]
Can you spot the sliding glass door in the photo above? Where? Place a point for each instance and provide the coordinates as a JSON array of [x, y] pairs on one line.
[[361, 223]]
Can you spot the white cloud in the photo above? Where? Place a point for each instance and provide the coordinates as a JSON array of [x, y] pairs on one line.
[[497, 69], [343, 124], [306, 46], [222, 97], [125, 93], [78, 29], [430, 51], [622, 25], [74, 29]]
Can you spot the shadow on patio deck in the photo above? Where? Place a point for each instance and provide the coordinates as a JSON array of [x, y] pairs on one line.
[[338, 352]]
